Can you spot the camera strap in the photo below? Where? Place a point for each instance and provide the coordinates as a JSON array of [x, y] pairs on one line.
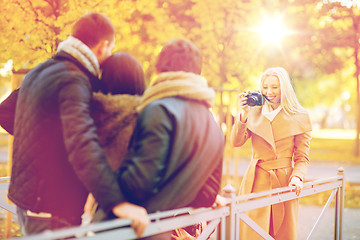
[[267, 98]]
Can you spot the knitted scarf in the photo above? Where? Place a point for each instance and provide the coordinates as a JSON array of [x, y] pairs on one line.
[[82, 53], [269, 113], [115, 118], [178, 84]]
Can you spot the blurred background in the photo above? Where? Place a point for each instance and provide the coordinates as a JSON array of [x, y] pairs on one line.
[[317, 42]]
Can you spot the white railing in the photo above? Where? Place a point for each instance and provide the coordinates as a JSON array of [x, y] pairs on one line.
[[4, 185], [223, 223]]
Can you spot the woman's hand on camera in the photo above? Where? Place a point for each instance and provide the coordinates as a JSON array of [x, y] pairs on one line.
[[244, 106]]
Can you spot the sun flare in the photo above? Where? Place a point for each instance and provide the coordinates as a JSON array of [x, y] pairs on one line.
[[272, 31]]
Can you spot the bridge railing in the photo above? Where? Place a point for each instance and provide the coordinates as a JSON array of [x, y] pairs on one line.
[[222, 223]]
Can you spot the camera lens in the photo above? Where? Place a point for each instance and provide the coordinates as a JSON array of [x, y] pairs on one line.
[[252, 100]]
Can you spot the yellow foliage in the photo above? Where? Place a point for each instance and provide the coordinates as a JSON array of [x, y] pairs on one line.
[[233, 57]]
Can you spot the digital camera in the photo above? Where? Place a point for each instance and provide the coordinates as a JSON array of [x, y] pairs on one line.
[[255, 99]]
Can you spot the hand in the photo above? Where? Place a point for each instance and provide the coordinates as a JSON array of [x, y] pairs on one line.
[[89, 205], [296, 181], [138, 216], [220, 201], [182, 234], [244, 106]]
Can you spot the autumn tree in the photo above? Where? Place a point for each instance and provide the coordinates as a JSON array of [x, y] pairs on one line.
[[320, 51], [219, 29], [34, 28], [316, 50], [340, 28]]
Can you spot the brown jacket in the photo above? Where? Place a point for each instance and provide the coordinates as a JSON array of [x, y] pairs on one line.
[[280, 151]]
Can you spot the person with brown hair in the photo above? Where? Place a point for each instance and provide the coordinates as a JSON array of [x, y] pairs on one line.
[[175, 155], [115, 113], [57, 158]]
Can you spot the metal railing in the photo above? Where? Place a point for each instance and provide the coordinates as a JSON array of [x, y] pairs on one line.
[[223, 223], [4, 185], [274, 196]]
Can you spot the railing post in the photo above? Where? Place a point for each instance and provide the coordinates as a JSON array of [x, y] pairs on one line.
[[8, 222], [229, 192], [339, 206]]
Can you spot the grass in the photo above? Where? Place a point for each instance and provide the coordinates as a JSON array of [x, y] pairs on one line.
[[352, 197], [334, 145]]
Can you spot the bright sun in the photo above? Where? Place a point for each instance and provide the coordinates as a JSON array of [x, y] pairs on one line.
[[272, 31]]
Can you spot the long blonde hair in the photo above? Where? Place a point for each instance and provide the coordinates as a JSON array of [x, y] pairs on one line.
[[289, 102]]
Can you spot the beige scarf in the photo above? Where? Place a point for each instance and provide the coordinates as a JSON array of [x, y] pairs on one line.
[[269, 113], [82, 53], [115, 118], [178, 84]]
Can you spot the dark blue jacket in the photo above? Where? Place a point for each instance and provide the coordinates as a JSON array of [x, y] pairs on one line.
[[57, 159]]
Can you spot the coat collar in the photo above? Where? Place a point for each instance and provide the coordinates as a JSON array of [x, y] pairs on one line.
[[281, 127], [96, 84]]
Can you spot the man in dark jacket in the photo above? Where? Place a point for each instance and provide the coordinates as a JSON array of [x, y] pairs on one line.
[[57, 159], [175, 155], [7, 112]]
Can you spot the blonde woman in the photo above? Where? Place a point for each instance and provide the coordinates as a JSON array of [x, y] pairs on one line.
[[280, 132]]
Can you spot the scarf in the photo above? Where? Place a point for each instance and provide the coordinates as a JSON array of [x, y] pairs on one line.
[[178, 84], [269, 113], [115, 118], [82, 53]]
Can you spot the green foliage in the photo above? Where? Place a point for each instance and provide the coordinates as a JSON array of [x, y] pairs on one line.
[[333, 150], [352, 196], [351, 199]]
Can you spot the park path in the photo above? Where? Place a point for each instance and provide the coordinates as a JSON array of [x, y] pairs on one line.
[[325, 229]]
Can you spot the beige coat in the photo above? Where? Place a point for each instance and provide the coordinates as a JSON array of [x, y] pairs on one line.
[[280, 151]]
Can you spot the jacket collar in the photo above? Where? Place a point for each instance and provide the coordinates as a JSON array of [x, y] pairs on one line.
[[282, 126], [82, 53], [96, 84]]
